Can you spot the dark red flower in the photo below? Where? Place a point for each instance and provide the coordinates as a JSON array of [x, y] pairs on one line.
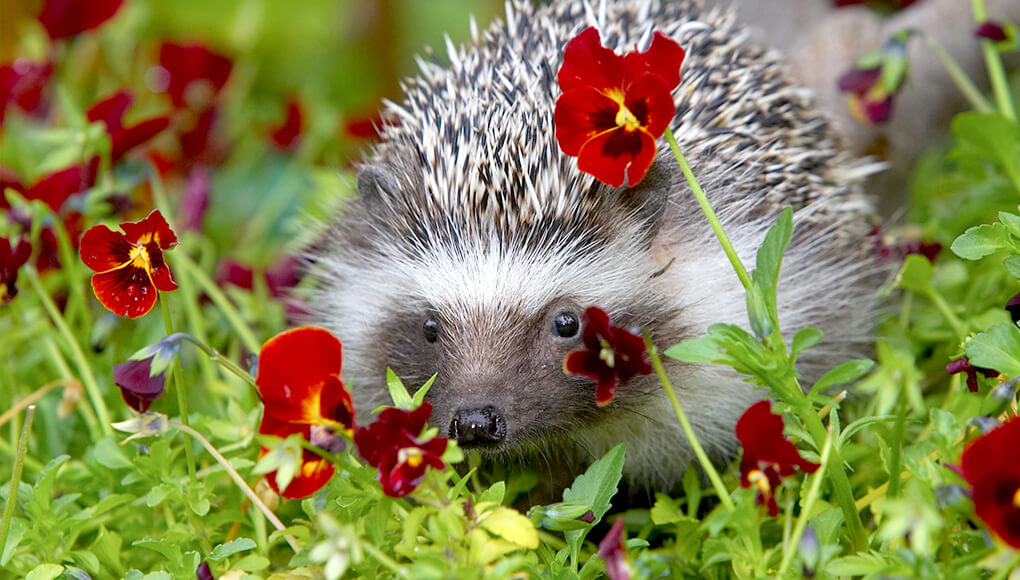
[[196, 137], [48, 257], [111, 111], [142, 379], [65, 18], [287, 135], [299, 380], [129, 266], [768, 456], [203, 572], [886, 5], [365, 125], [876, 79], [991, 30], [22, 83], [392, 445], [990, 465], [54, 189], [11, 259], [900, 245], [611, 354], [614, 553], [1013, 307], [962, 365], [193, 75], [613, 108], [280, 278]]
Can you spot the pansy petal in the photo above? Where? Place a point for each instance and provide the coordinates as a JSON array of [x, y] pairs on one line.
[[103, 249], [580, 115], [126, 291], [128, 138], [587, 63], [986, 455], [152, 227], [293, 368], [314, 473], [336, 404], [651, 103], [605, 390], [662, 59], [66, 18], [110, 110], [161, 276], [618, 156]]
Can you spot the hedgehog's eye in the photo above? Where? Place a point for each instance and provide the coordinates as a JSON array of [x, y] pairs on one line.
[[431, 330], [566, 325]]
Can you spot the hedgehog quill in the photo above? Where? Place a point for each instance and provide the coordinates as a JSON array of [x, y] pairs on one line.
[[475, 244]]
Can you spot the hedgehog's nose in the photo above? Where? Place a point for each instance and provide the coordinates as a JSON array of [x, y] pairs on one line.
[[477, 427]]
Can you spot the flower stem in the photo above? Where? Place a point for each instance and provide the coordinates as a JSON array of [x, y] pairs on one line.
[[713, 220], [88, 379], [86, 411], [806, 509], [963, 82], [685, 424], [385, 560], [175, 371], [1000, 86], [12, 491], [239, 481], [215, 356], [943, 307]]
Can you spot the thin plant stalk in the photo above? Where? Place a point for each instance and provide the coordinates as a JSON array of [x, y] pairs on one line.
[[175, 372], [806, 509], [996, 73], [220, 300], [12, 491], [215, 356], [685, 424], [239, 481], [960, 78], [88, 379]]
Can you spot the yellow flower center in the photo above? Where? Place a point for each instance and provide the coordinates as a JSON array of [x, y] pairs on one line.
[[758, 479], [412, 456], [140, 257], [1016, 498], [626, 119], [607, 355]]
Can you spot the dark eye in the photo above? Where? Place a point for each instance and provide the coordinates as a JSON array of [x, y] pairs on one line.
[[431, 330], [566, 325]]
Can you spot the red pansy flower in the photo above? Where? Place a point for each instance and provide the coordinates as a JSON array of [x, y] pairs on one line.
[[11, 259], [611, 354], [991, 30], [142, 378], [129, 266], [768, 456], [194, 75], [299, 380], [65, 18], [613, 108], [280, 278], [1013, 307], [22, 83], [614, 553], [111, 111], [287, 135], [899, 245], [962, 365], [990, 465], [203, 572], [54, 188], [876, 79], [393, 445]]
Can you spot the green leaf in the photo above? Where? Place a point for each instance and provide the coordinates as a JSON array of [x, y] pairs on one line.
[[806, 338], [761, 298], [996, 348], [596, 487], [110, 455], [1012, 265], [495, 493], [419, 395], [1011, 221], [45, 572], [512, 526], [980, 241], [398, 392], [703, 349], [987, 137], [232, 547], [847, 372], [666, 511], [915, 274]]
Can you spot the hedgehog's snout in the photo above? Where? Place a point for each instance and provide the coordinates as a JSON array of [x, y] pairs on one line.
[[478, 427]]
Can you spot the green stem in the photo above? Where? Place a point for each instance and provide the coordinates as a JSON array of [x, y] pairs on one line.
[[175, 372], [963, 82], [65, 371], [239, 481], [88, 379], [12, 491], [196, 324], [1005, 571], [897, 445], [1000, 86], [221, 301], [31, 463], [840, 481], [71, 265], [685, 424], [947, 312], [215, 356], [713, 220], [385, 560], [806, 509]]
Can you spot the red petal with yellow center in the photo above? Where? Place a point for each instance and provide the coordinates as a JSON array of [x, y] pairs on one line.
[[103, 249], [314, 473], [663, 59], [294, 368], [152, 227], [160, 273], [580, 115], [651, 103], [586, 63], [618, 156], [126, 291]]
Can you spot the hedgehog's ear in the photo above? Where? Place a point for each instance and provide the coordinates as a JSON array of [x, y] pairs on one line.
[[375, 184], [646, 201]]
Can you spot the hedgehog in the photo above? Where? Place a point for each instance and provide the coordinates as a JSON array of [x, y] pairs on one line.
[[474, 244]]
